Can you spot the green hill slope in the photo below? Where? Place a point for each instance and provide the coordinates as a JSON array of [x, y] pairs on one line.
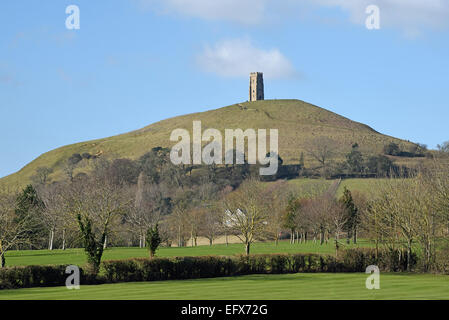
[[298, 123]]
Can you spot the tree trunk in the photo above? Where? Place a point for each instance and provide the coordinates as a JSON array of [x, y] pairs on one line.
[[429, 253], [105, 243], [210, 242], [63, 239], [337, 245], [247, 245], [355, 235], [377, 249], [2, 258], [226, 236], [50, 242], [409, 254]]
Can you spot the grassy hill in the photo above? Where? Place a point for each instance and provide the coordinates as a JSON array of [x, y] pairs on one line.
[[298, 123]]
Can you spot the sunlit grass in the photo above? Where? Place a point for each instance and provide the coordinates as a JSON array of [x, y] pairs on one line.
[[78, 256], [270, 287]]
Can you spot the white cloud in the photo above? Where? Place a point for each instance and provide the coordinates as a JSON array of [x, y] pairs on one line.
[[407, 15], [411, 16], [242, 11], [238, 57]]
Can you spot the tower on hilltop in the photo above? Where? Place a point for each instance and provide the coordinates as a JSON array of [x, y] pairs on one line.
[[256, 86]]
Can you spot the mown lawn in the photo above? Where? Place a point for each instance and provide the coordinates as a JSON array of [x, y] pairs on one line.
[[78, 256], [271, 287]]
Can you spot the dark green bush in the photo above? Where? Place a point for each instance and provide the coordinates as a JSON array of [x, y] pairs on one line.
[[216, 266], [122, 270], [74, 159], [356, 260], [176, 268], [39, 276]]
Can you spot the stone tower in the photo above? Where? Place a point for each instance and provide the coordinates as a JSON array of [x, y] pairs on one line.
[[256, 86]]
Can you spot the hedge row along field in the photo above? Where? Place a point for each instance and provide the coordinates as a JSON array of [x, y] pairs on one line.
[[178, 268]]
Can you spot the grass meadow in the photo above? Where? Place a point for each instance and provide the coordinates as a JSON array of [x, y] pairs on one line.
[[310, 286], [78, 256], [299, 286]]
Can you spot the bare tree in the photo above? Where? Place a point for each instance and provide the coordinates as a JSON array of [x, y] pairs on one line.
[[97, 206], [317, 211], [337, 218], [54, 210], [246, 213], [212, 222], [322, 149], [178, 220], [13, 231], [202, 211], [276, 197], [301, 221], [41, 176], [299, 215], [148, 207], [444, 147], [56, 216], [361, 203], [399, 213], [195, 219]]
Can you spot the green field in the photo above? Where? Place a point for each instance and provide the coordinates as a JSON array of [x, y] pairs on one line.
[[272, 287], [286, 286], [366, 186], [78, 256], [362, 185]]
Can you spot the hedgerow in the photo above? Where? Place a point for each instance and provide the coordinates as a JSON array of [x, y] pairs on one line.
[[178, 268]]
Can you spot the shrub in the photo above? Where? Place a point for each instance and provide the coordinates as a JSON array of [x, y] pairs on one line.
[[74, 159], [392, 149], [153, 239], [356, 260], [177, 268], [39, 276], [122, 270], [216, 266]]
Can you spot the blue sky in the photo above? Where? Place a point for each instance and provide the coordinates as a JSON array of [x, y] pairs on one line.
[[116, 73]]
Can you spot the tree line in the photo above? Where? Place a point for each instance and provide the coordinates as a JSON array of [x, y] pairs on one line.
[[120, 203]]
